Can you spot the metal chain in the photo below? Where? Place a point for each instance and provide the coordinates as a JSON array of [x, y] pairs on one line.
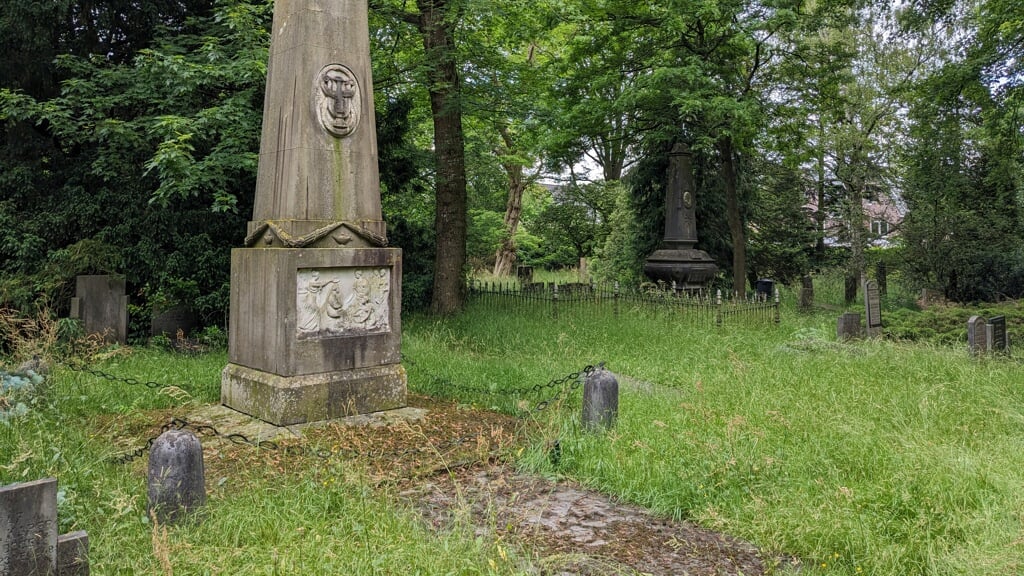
[[113, 378], [575, 380]]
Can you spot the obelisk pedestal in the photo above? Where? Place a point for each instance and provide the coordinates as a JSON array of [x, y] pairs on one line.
[[676, 260], [315, 325]]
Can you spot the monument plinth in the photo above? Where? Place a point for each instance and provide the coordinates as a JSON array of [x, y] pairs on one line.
[[315, 326], [676, 260]]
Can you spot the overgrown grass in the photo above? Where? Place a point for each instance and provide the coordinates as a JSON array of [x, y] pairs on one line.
[[873, 457], [265, 515]]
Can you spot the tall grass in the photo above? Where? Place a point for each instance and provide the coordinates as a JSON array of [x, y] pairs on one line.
[[870, 457], [266, 513]]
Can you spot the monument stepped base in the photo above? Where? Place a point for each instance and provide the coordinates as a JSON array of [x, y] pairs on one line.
[[284, 401]]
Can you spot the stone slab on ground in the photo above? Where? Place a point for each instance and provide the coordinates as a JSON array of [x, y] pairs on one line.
[[228, 421], [580, 531]]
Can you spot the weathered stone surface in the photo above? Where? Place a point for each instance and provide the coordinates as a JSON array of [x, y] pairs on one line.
[[285, 401], [176, 482], [265, 325], [316, 295], [73, 554], [600, 400], [873, 308], [102, 306], [306, 172], [977, 336], [28, 528], [848, 326]]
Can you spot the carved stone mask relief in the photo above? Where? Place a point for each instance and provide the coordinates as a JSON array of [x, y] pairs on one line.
[[338, 103]]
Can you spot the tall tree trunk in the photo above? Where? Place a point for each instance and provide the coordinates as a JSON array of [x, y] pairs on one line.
[[445, 91], [505, 258], [733, 215]]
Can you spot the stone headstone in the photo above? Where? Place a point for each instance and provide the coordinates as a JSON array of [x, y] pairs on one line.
[[977, 336], [872, 308], [28, 528], [806, 292], [73, 554], [176, 318], [996, 333], [525, 275], [176, 484], [848, 326], [600, 400], [315, 320], [102, 306]]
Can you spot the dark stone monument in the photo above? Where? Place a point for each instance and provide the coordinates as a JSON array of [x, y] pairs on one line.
[[315, 321], [848, 326], [977, 336], [102, 306], [176, 482], [676, 260], [996, 334], [29, 544], [872, 308], [525, 275], [600, 400]]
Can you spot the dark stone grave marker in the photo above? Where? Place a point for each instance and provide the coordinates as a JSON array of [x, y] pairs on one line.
[[600, 400], [102, 306], [176, 484], [996, 332], [977, 336]]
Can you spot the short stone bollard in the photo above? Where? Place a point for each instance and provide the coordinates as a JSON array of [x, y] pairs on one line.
[[176, 483], [600, 400]]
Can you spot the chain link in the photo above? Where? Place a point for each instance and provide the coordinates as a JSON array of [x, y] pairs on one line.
[[113, 378], [558, 385]]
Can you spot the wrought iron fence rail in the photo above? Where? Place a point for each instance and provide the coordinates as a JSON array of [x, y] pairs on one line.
[[698, 306]]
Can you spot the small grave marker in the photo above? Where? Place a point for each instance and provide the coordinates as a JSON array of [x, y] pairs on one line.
[[29, 544], [996, 332], [176, 483], [873, 308], [600, 400], [101, 304], [977, 336], [848, 326]]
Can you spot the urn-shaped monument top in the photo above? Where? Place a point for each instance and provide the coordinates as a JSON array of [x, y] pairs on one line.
[[318, 153]]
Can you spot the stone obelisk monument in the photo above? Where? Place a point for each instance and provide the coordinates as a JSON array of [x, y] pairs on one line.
[[315, 326], [676, 260]]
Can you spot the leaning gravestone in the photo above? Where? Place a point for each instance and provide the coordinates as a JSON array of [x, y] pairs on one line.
[[176, 484], [996, 333], [29, 544], [315, 325], [873, 308], [102, 306], [977, 336]]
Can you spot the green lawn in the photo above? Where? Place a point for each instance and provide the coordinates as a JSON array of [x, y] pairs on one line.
[[862, 458]]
